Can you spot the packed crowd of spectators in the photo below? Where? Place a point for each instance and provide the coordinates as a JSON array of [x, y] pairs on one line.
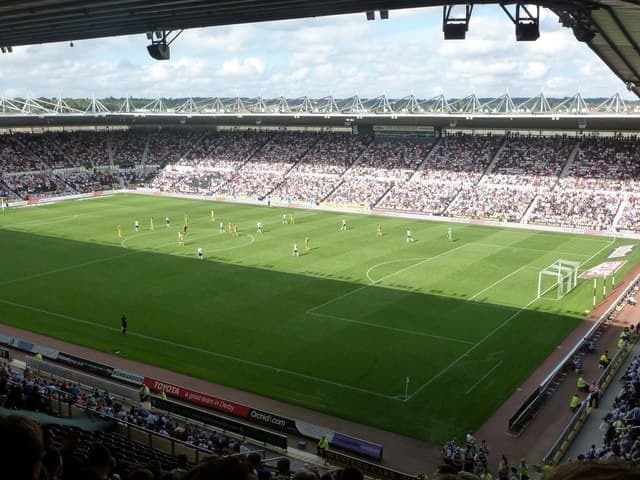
[[333, 154], [576, 208], [59, 452], [457, 161], [127, 146], [16, 156], [384, 164], [321, 168], [267, 168], [453, 176], [306, 187], [421, 196], [531, 161], [211, 164], [621, 439], [501, 204], [36, 184], [611, 164], [462, 159], [360, 191], [391, 160], [168, 145], [84, 181], [82, 148], [630, 218]]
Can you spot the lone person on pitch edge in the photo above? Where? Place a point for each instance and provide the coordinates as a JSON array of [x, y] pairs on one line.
[[123, 321]]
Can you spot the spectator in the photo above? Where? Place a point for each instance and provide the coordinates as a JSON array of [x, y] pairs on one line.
[[575, 402], [591, 470], [582, 385], [283, 469], [228, 468], [140, 474], [323, 446], [349, 473], [99, 463], [21, 448], [52, 464], [604, 359]]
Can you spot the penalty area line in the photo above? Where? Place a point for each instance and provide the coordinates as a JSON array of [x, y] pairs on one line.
[[201, 350], [480, 380], [393, 329], [466, 354], [372, 284], [496, 283]]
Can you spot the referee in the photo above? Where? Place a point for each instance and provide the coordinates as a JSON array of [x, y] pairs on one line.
[[123, 321]]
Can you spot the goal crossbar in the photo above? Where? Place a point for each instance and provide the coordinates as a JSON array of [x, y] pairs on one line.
[[565, 276]]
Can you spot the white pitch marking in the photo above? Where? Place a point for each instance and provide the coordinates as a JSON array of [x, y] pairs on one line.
[[492, 332], [385, 327], [351, 292], [495, 283], [201, 350], [399, 260], [472, 388], [496, 245], [466, 354], [45, 222]]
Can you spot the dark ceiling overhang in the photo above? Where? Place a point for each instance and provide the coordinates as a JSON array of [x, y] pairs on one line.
[[26, 22]]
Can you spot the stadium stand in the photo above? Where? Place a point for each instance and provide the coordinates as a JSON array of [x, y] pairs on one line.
[[579, 182], [24, 391]]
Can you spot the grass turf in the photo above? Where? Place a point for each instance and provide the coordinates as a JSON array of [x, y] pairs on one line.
[[338, 329]]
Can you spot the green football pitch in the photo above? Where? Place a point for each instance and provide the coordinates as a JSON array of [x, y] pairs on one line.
[[425, 339]]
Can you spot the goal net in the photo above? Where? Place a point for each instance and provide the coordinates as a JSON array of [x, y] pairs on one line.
[[558, 279]]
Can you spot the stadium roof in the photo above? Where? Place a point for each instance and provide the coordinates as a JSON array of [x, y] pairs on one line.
[[409, 113], [25, 22]]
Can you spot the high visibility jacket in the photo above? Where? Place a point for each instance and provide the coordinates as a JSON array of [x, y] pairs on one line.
[[575, 401]]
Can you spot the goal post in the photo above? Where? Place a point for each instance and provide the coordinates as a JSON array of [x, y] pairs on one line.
[[561, 276]]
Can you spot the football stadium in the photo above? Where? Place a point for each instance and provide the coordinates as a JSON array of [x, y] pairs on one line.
[[320, 288]]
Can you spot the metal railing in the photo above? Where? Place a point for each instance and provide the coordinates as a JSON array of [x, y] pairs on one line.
[[564, 440], [537, 398]]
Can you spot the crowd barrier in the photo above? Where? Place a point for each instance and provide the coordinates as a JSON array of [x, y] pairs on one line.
[[5, 355], [226, 425], [368, 468], [277, 422], [533, 403], [564, 441], [51, 369]]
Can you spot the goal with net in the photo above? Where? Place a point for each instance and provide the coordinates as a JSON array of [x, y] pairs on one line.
[[560, 278]]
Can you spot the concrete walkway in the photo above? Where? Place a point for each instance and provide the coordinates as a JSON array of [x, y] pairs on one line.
[[591, 432]]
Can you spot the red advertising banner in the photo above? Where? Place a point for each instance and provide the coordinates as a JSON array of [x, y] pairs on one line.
[[197, 398]]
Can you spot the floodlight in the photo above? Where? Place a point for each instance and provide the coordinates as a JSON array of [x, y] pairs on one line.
[[527, 31], [384, 14], [3, 50], [371, 15], [583, 33], [456, 26], [159, 51], [454, 31], [149, 35]]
